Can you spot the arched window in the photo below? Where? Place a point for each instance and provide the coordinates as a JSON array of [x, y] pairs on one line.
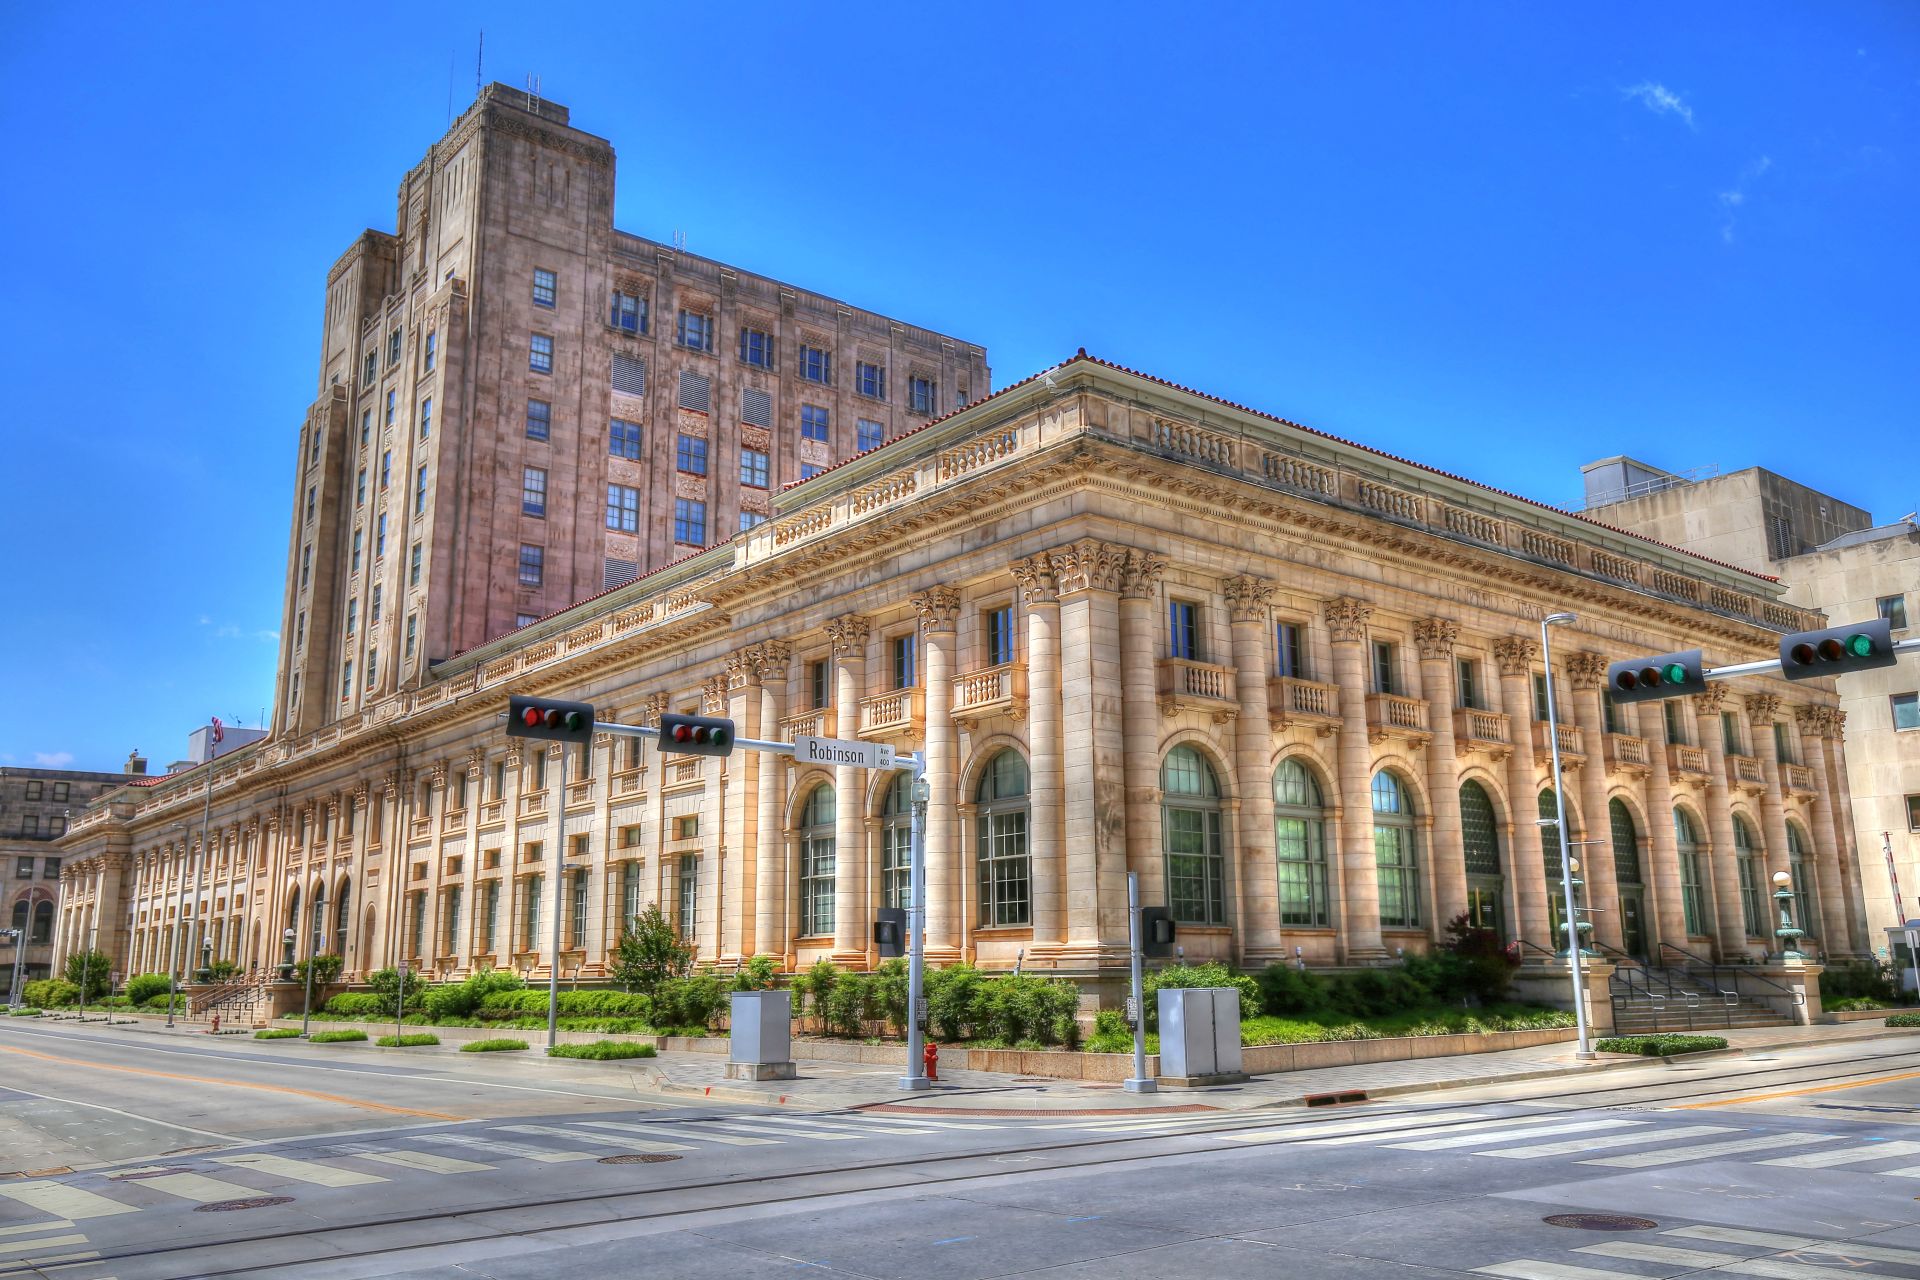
[[816, 862], [1480, 834], [342, 916], [1395, 852], [293, 912], [20, 910], [1300, 838], [1748, 862], [319, 923], [42, 923], [1806, 916], [1190, 823], [896, 842], [1626, 843], [1006, 896], [1686, 836]]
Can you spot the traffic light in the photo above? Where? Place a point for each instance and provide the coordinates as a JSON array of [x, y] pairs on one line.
[[890, 932], [1156, 931], [550, 718], [1860, 646], [696, 735], [1666, 675]]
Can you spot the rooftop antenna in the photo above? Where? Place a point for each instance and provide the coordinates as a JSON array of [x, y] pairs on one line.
[[479, 58], [533, 92], [450, 88], [680, 241]]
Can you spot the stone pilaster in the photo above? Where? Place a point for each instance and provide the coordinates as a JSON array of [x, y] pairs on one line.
[[1039, 587], [850, 932], [1434, 637], [1730, 923], [1587, 674], [939, 610], [1829, 881], [771, 873], [1255, 872], [1515, 656], [1359, 890], [1761, 709], [1092, 752], [743, 771], [1140, 714], [1863, 941]]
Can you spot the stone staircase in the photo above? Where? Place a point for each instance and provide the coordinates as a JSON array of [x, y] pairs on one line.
[[242, 1003], [1651, 998]]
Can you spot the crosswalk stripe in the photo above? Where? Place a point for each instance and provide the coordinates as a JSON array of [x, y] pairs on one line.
[[508, 1148], [1707, 1151], [424, 1160], [35, 1226], [822, 1136], [1781, 1269], [50, 1242], [723, 1138], [1357, 1130], [837, 1126], [319, 1175], [68, 1202], [1164, 1124], [1802, 1244], [1847, 1155], [890, 1121], [1534, 1269], [1499, 1135], [1638, 1252], [196, 1187], [604, 1139], [1595, 1142]]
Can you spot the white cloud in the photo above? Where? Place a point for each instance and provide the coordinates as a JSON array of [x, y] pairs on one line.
[[1660, 100], [53, 759], [1736, 195]]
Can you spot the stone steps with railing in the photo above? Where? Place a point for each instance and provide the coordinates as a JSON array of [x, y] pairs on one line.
[[1690, 993], [243, 1001]]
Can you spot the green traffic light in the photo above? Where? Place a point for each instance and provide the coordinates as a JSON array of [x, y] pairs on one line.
[[1674, 673], [1860, 646]]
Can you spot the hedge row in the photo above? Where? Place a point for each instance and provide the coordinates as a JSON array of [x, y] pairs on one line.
[[492, 1046], [602, 1050], [1661, 1046]]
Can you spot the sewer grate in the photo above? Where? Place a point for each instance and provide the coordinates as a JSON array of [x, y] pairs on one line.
[[231, 1206], [1600, 1222], [648, 1158]]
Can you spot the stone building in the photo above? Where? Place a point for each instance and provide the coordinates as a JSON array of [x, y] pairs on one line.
[[519, 405], [36, 806], [1830, 557], [1295, 683]]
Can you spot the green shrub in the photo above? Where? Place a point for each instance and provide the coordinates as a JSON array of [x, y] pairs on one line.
[[159, 1003], [1660, 1046], [759, 973], [492, 1046], [359, 1004], [223, 970], [687, 1002], [410, 1041], [602, 1050], [93, 968], [336, 1037], [1851, 1004], [112, 1002], [1903, 1019], [650, 953], [952, 994], [1211, 974], [1860, 979], [50, 993], [851, 1005], [1031, 1008], [386, 984], [142, 987], [276, 1033], [816, 986], [23, 1012], [326, 967]]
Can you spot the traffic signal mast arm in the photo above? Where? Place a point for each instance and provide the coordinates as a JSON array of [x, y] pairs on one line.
[[1804, 655]]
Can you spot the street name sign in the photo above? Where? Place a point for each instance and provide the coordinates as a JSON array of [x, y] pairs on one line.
[[842, 751]]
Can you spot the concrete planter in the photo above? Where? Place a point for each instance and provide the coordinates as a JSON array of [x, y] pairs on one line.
[[1861, 1015]]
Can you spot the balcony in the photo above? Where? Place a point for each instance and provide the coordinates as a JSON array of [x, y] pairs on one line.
[[1291, 701], [1745, 773], [456, 819], [1389, 715], [992, 691], [628, 781], [887, 715], [493, 813], [1573, 750], [1486, 731], [1626, 755], [580, 792], [1205, 687], [820, 722], [1690, 761], [1799, 779], [422, 828], [684, 771], [533, 802]]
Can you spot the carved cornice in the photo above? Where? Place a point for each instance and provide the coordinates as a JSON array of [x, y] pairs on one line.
[[1140, 575], [1247, 598], [1038, 578], [1815, 721], [1587, 670], [1089, 565], [1347, 619], [1434, 638], [849, 635], [1514, 655], [1763, 707], [939, 609]]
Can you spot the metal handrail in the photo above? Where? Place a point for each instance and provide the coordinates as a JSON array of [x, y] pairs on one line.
[[1526, 946], [1726, 980]]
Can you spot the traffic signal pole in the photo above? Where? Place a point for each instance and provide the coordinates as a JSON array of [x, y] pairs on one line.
[[1772, 665]]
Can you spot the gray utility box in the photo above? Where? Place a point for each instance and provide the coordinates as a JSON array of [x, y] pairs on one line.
[[1199, 1035], [760, 1044]]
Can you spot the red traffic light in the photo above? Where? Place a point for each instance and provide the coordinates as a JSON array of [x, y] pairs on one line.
[[696, 735], [550, 718], [532, 717]]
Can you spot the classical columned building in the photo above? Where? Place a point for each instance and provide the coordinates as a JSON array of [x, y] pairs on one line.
[[1292, 682]]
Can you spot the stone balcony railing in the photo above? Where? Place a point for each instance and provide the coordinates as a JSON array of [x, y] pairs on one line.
[[1626, 754], [628, 781], [684, 771], [991, 691], [1682, 758], [819, 722], [1745, 771], [1206, 687], [533, 802], [1477, 730], [1392, 715], [898, 711], [580, 792], [1799, 779], [1572, 743], [422, 828], [493, 813], [1291, 701]]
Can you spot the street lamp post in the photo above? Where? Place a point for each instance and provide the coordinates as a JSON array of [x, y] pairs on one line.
[[1560, 825], [19, 937], [286, 966], [1788, 935]]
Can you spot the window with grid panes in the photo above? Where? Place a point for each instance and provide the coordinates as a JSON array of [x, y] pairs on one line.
[[413, 566], [360, 488], [539, 419], [921, 395], [577, 925], [372, 369], [813, 422], [1289, 650], [689, 903], [809, 470], [623, 439], [870, 380], [997, 624], [373, 611], [1004, 866], [366, 427], [1386, 664], [540, 353], [751, 520], [1300, 840], [628, 312], [1692, 892], [816, 863], [896, 843], [1671, 711], [1626, 843], [1467, 680], [1806, 908], [696, 331], [533, 491], [1730, 733], [1610, 713], [753, 468], [392, 400], [1748, 861], [431, 353], [1395, 852], [690, 454], [1183, 630], [393, 347], [869, 434], [353, 615], [490, 920], [904, 653], [530, 920], [533, 567], [630, 888], [756, 348], [816, 364], [420, 489], [412, 622], [354, 559], [426, 417], [819, 685], [623, 508], [1190, 819], [543, 288], [1783, 743], [690, 522], [1479, 830]]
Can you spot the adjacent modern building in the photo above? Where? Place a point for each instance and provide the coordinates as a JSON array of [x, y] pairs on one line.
[[519, 406], [1831, 557], [1294, 683], [36, 806]]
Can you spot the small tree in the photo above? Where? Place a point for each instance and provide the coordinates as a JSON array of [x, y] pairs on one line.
[[326, 968], [92, 972], [650, 953]]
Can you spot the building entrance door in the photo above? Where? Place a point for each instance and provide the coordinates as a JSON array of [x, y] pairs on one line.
[[1484, 910], [1633, 929]]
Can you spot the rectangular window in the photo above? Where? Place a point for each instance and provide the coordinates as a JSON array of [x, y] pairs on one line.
[[690, 455], [819, 685], [696, 330], [816, 884], [1385, 666], [360, 488], [1183, 630], [380, 536], [870, 380], [756, 407], [1610, 713], [869, 434], [490, 917], [372, 368], [689, 522], [426, 417], [412, 626], [30, 826], [1289, 649], [1780, 540], [1196, 866], [366, 426], [753, 468], [578, 924], [353, 616], [623, 508], [539, 420], [543, 288], [809, 470], [432, 352], [1894, 610], [629, 375], [751, 519], [696, 391], [525, 620], [393, 347], [1906, 710], [756, 348], [1913, 813], [689, 895], [536, 891], [386, 468], [533, 491], [921, 394], [1756, 920], [905, 667], [686, 826], [346, 680], [1692, 896], [373, 607], [630, 884], [998, 626], [373, 666], [420, 490], [533, 565], [813, 422], [1730, 733], [623, 440], [628, 312], [391, 401], [1468, 680], [312, 494], [23, 868], [413, 566], [1676, 723], [816, 365], [357, 538], [540, 353], [1783, 743]]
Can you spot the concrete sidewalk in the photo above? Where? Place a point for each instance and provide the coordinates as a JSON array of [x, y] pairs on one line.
[[835, 1086]]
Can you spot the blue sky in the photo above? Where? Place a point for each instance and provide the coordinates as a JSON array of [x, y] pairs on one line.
[[1502, 239]]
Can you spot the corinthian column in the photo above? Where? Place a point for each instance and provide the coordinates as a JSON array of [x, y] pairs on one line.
[[1587, 672], [1434, 638], [1359, 866], [743, 770], [1515, 656], [849, 635], [1092, 748], [1761, 709], [1663, 850], [939, 610], [770, 873], [1821, 728], [1046, 779], [1140, 714], [1255, 872], [1730, 921]]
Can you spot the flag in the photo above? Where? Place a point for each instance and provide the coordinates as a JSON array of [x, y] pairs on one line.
[[217, 734]]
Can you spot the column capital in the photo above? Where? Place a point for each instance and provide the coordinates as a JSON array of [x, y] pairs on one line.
[[713, 694], [1587, 670], [770, 658], [1247, 598], [1347, 619], [514, 755], [1140, 575], [476, 761], [1038, 578], [1434, 638], [1515, 654], [1089, 565], [1762, 707], [849, 635], [653, 708], [743, 667], [938, 607], [1710, 701], [1836, 726]]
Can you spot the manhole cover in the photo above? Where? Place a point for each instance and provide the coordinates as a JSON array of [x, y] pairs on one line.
[[641, 1159], [1600, 1222], [230, 1206]]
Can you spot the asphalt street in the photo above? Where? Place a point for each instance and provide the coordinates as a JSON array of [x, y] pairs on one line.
[[1801, 1164]]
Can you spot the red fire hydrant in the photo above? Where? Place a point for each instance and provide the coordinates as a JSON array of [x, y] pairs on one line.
[[931, 1057], [216, 1025]]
